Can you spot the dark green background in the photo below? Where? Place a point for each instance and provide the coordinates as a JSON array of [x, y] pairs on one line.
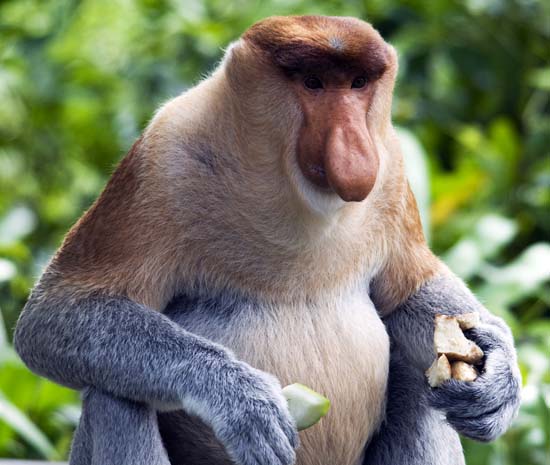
[[79, 81]]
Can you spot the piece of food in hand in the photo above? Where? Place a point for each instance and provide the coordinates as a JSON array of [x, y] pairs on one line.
[[463, 371], [468, 320], [455, 352], [439, 372], [450, 340], [306, 406]]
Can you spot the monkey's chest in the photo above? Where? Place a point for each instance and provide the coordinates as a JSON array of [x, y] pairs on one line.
[[339, 348]]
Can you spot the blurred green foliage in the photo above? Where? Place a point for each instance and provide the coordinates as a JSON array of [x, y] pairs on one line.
[[80, 79]]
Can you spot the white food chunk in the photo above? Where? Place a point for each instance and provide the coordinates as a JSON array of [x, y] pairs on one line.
[[468, 320], [450, 340], [439, 372], [463, 371]]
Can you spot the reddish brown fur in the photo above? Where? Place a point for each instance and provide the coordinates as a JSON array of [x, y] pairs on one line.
[[409, 262], [316, 43], [110, 248], [103, 235]]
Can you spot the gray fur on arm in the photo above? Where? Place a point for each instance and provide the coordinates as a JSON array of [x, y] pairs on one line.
[[118, 346], [116, 431], [419, 423]]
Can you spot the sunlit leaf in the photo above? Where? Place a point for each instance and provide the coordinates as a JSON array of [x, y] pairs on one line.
[[417, 172], [19, 222], [20, 423], [7, 270], [540, 78]]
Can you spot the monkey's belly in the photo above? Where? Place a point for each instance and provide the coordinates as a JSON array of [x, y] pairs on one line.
[[339, 348]]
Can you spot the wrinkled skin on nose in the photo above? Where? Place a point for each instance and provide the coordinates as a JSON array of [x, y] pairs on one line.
[[335, 151]]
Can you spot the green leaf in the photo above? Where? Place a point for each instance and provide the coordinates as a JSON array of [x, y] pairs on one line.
[[20, 423], [7, 270], [540, 78], [416, 166], [3, 336], [19, 222]]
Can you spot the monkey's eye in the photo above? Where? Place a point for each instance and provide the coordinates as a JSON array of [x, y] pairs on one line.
[[313, 82], [358, 82]]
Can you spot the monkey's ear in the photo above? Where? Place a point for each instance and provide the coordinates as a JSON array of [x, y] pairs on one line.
[[243, 63], [233, 54], [231, 49]]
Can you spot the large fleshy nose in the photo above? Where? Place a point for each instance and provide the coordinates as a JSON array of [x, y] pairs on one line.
[[335, 150], [350, 162]]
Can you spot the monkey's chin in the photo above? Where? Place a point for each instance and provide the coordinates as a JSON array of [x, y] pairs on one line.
[[324, 202]]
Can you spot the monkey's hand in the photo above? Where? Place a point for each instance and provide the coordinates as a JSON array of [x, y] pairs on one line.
[[483, 409], [251, 418]]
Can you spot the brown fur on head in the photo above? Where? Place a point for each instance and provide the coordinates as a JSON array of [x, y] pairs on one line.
[[320, 43], [253, 181]]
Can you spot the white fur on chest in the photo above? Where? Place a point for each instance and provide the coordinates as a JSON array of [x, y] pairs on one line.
[[339, 347]]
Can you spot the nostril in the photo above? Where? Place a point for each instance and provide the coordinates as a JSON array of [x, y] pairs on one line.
[[317, 170], [316, 174]]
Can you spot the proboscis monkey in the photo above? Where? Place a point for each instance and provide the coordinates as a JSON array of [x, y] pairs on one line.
[[262, 232]]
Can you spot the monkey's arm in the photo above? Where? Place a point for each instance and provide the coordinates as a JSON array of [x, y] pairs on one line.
[[116, 345], [414, 431], [482, 409], [412, 288], [133, 352]]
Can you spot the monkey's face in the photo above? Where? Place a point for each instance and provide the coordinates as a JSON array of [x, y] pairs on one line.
[[339, 74]]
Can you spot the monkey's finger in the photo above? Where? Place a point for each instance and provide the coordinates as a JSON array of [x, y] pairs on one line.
[[265, 452], [496, 386], [241, 451], [454, 398], [292, 435], [287, 424], [488, 337], [289, 429], [280, 443], [485, 427]]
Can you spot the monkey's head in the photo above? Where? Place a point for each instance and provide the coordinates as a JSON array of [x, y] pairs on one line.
[[323, 86]]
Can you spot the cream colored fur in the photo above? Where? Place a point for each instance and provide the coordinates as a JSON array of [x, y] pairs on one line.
[[292, 241]]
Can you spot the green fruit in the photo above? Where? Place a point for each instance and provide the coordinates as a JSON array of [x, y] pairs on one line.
[[306, 406]]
